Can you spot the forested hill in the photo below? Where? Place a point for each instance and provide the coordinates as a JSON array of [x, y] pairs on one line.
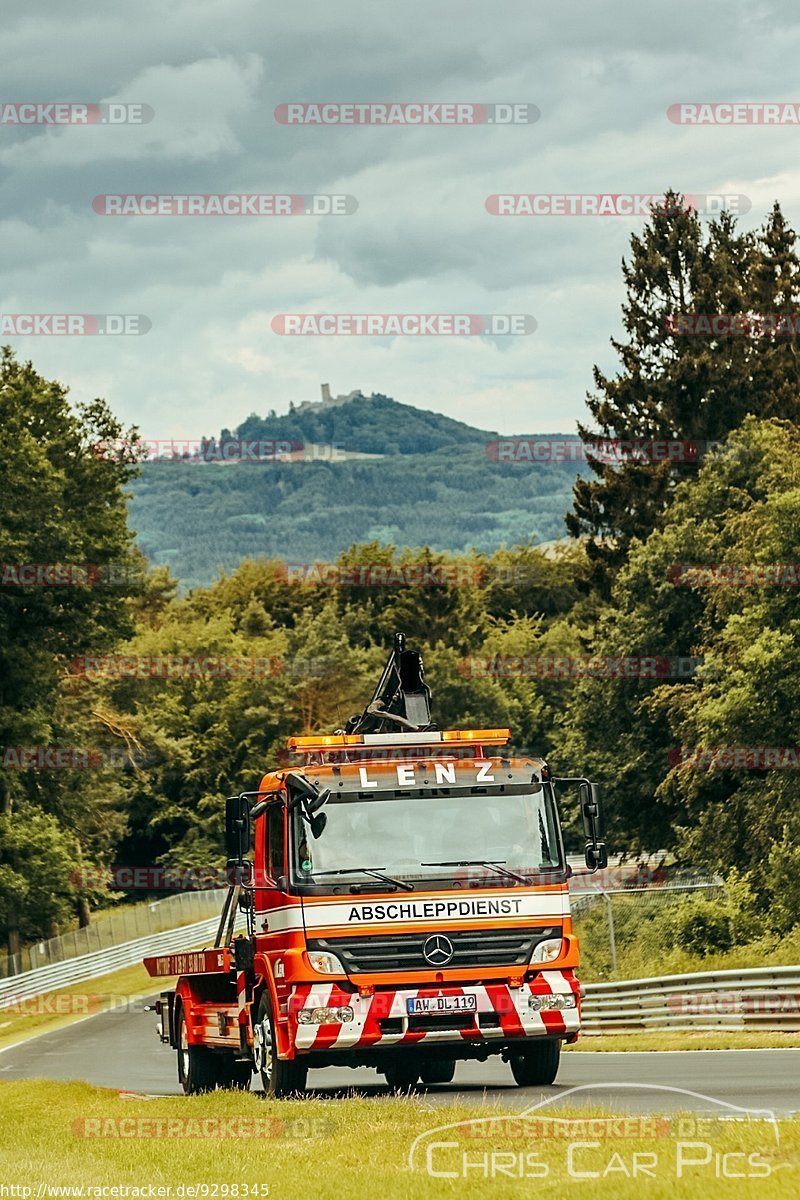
[[370, 424], [433, 484]]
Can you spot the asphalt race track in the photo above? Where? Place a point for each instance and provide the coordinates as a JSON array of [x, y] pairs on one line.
[[119, 1049]]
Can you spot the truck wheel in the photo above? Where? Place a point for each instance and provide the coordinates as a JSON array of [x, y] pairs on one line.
[[280, 1076], [233, 1074], [536, 1064], [197, 1066], [439, 1070], [401, 1076]]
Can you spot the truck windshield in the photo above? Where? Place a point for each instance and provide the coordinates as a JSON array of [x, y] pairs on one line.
[[427, 836]]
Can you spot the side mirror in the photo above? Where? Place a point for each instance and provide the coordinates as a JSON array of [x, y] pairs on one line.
[[321, 798], [317, 822], [591, 810], [305, 793], [239, 873], [237, 827], [596, 856]]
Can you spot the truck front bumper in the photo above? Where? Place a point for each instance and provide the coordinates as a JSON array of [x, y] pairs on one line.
[[545, 1007]]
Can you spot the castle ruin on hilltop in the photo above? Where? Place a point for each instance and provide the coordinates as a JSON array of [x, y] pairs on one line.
[[328, 401]]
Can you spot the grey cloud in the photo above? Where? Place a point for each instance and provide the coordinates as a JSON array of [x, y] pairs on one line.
[[602, 74]]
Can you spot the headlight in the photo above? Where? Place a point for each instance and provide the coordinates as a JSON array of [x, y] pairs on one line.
[[325, 963], [547, 951], [557, 1000], [325, 1016]]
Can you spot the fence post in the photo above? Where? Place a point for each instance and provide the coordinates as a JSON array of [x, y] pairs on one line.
[[612, 941]]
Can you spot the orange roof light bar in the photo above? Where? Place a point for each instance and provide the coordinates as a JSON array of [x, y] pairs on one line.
[[453, 737], [492, 737], [334, 741]]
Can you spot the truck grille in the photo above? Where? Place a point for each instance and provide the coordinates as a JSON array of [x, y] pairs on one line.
[[403, 951]]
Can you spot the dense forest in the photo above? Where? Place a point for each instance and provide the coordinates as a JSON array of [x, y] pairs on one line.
[[184, 699]]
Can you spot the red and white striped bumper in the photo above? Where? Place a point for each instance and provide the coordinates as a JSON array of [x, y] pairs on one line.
[[382, 1018]]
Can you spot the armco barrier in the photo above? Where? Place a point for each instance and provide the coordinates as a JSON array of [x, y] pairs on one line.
[[103, 962], [764, 998]]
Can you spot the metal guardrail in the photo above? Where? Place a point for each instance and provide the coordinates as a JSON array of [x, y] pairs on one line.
[[762, 998], [103, 962]]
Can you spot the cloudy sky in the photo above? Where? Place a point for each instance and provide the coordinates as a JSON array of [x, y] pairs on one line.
[[602, 74]]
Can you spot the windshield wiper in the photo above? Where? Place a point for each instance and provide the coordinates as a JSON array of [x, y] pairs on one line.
[[479, 862], [375, 872]]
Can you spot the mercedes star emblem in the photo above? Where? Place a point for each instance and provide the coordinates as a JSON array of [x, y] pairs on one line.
[[437, 950]]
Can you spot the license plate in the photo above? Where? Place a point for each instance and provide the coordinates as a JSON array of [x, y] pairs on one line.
[[418, 1005]]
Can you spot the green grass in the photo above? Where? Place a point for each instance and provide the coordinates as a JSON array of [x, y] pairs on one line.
[[643, 949], [723, 1039], [359, 1146]]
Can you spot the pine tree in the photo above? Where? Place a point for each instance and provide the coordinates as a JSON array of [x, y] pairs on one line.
[[677, 386]]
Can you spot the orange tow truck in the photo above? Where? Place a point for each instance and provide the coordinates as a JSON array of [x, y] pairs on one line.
[[406, 908]]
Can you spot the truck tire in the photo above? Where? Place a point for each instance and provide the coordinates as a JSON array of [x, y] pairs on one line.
[[281, 1077], [401, 1075], [440, 1070], [197, 1066], [233, 1074], [537, 1064]]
